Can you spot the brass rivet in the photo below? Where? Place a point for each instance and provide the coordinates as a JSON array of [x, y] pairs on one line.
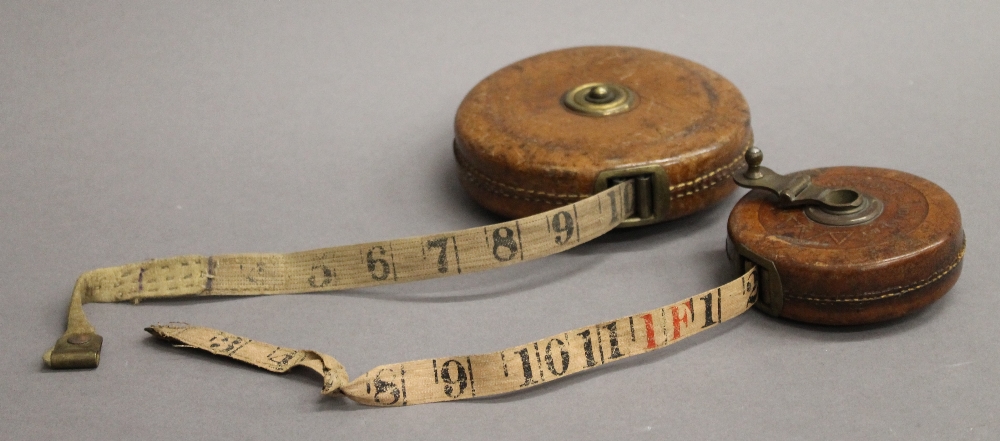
[[78, 339], [599, 94], [599, 99]]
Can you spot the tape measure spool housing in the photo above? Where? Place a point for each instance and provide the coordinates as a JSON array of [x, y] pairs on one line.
[[899, 262], [526, 140]]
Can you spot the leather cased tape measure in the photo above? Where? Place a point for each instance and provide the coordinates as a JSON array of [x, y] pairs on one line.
[[884, 268], [572, 144], [526, 141], [538, 134]]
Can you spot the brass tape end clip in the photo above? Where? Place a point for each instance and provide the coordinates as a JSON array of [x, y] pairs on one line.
[[75, 351]]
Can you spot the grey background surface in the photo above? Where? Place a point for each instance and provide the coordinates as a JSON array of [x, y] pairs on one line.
[[136, 130]]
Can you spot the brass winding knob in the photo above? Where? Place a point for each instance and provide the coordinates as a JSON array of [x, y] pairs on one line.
[[599, 99]]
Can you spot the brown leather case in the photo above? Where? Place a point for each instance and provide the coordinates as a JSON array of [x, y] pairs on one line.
[[899, 262], [521, 151]]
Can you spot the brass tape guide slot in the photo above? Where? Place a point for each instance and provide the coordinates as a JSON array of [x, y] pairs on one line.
[[652, 192], [771, 293]]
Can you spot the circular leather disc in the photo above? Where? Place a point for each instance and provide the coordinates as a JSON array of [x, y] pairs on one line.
[[521, 151], [899, 262]]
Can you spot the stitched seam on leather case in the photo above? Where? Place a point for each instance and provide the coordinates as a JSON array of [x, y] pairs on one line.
[[493, 186], [891, 292], [728, 169], [496, 187], [703, 187]]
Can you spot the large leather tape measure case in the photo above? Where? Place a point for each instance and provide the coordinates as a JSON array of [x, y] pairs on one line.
[[559, 126]]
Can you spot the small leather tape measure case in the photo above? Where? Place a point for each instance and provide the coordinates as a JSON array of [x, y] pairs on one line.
[[558, 127], [845, 245]]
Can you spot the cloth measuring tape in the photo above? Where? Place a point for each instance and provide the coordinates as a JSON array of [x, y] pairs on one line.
[[587, 140], [402, 260]]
